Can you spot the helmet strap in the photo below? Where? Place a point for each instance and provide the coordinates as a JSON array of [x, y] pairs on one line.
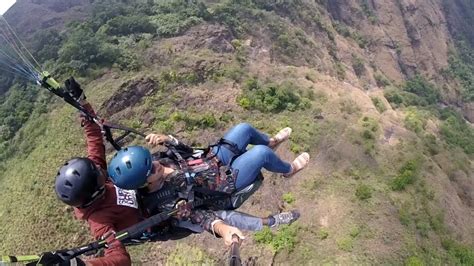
[[97, 195]]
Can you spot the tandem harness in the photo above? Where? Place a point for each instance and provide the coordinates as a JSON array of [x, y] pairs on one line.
[[198, 195]]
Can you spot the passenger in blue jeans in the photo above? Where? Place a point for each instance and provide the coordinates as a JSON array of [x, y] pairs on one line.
[[226, 169]]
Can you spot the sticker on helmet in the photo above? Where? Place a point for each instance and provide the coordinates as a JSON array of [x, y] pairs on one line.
[[126, 197]]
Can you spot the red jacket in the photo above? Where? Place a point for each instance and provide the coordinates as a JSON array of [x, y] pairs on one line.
[[113, 212]]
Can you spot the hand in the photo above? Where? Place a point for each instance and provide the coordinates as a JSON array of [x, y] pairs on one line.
[[184, 209], [227, 231], [59, 258], [156, 139], [74, 89]]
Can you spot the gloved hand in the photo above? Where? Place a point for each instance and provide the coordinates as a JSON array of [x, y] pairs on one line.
[[74, 89], [59, 258]]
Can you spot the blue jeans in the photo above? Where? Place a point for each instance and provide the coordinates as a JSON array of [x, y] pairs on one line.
[[237, 219], [251, 162]]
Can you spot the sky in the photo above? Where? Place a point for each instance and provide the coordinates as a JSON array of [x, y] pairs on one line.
[[5, 5]]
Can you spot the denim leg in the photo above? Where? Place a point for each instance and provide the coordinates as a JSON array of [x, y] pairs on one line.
[[242, 135], [241, 220], [251, 162]]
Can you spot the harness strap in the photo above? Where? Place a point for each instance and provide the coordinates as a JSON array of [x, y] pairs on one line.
[[159, 198], [232, 146]]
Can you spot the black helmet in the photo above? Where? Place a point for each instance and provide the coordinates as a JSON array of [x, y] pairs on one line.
[[77, 182]]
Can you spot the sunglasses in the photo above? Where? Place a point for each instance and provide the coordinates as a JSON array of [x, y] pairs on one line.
[[153, 171]]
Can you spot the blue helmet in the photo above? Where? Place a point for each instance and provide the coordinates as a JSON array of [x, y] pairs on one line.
[[130, 167]]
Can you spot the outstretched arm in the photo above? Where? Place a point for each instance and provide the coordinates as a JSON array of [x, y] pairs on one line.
[[115, 254], [93, 134], [226, 231], [94, 138], [160, 139], [210, 222]]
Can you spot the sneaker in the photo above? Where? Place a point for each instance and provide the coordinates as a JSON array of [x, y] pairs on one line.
[[285, 218], [298, 164], [281, 136]]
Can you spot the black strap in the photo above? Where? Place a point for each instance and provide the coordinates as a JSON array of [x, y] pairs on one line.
[[232, 146], [132, 232]]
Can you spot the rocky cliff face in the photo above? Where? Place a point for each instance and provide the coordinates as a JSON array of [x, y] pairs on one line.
[[405, 37]]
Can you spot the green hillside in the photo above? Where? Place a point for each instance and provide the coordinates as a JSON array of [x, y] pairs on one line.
[[391, 178]]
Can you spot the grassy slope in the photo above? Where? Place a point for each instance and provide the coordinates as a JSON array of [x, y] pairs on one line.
[[340, 224]]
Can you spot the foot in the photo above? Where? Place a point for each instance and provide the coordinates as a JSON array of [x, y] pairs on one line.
[[281, 136], [298, 164], [285, 218]]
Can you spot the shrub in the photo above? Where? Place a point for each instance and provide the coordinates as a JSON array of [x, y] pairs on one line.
[[381, 80], [369, 132], [288, 198], [345, 244], [460, 253], [15, 109], [46, 44], [414, 120], [342, 29], [404, 214], [125, 25], [194, 121], [431, 144], [311, 76], [461, 67], [457, 132], [272, 97], [340, 71], [370, 123], [379, 105], [402, 98], [416, 92], [367, 11], [349, 106], [83, 49], [323, 234], [235, 73], [173, 24], [360, 39], [284, 238], [358, 65], [287, 44], [425, 90], [407, 175], [414, 261], [394, 97], [363, 192]]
